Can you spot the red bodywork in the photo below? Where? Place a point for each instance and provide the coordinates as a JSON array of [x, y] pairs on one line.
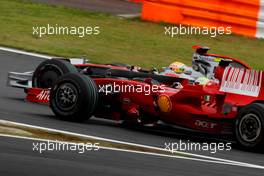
[[203, 108]]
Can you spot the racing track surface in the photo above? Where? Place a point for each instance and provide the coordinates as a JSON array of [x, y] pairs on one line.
[[17, 157], [116, 7]]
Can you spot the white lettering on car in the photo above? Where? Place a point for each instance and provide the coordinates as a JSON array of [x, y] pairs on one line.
[[43, 95], [205, 124]]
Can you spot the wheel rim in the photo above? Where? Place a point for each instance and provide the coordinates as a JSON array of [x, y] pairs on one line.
[[250, 127], [66, 96]]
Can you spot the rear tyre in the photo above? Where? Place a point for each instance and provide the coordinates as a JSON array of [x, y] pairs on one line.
[[74, 97], [49, 71], [249, 127]]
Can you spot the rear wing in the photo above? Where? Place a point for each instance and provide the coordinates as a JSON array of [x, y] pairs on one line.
[[242, 81]]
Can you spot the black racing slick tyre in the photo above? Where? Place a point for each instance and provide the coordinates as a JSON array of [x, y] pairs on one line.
[[74, 97], [249, 127], [47, 72]]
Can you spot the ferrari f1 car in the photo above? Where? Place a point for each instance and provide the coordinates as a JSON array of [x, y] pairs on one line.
[[231, 102]]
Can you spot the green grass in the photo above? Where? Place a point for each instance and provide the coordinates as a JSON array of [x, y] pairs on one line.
[[120, 40]]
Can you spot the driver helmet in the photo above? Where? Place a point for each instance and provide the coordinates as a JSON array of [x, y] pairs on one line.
[[178, 67]]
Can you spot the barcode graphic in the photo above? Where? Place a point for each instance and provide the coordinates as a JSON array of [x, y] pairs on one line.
[[241, 81]]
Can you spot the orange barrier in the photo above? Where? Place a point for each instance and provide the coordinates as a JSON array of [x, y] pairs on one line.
[[244, 16]]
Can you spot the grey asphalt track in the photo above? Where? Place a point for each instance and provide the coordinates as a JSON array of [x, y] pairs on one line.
[[115, 7], [18, 159]]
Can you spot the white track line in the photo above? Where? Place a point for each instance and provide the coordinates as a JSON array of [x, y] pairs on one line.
[[26, 53], [133, 15], [202, 157], [145, 153]]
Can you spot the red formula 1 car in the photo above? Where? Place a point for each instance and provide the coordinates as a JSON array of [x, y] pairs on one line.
[[232, 105]]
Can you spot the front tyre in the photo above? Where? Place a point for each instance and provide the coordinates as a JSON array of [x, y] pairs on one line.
[[249, 126], [74, 97], [47, 72]]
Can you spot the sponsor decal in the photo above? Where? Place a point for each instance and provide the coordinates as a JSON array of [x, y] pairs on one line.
[[205, 124], [43, 95], [241, 81], [217, 59], [164, 103]]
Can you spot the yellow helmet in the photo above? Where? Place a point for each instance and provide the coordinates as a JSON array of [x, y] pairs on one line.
[[177, 67]]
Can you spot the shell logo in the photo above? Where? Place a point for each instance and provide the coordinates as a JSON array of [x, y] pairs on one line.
[[164, 103]]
